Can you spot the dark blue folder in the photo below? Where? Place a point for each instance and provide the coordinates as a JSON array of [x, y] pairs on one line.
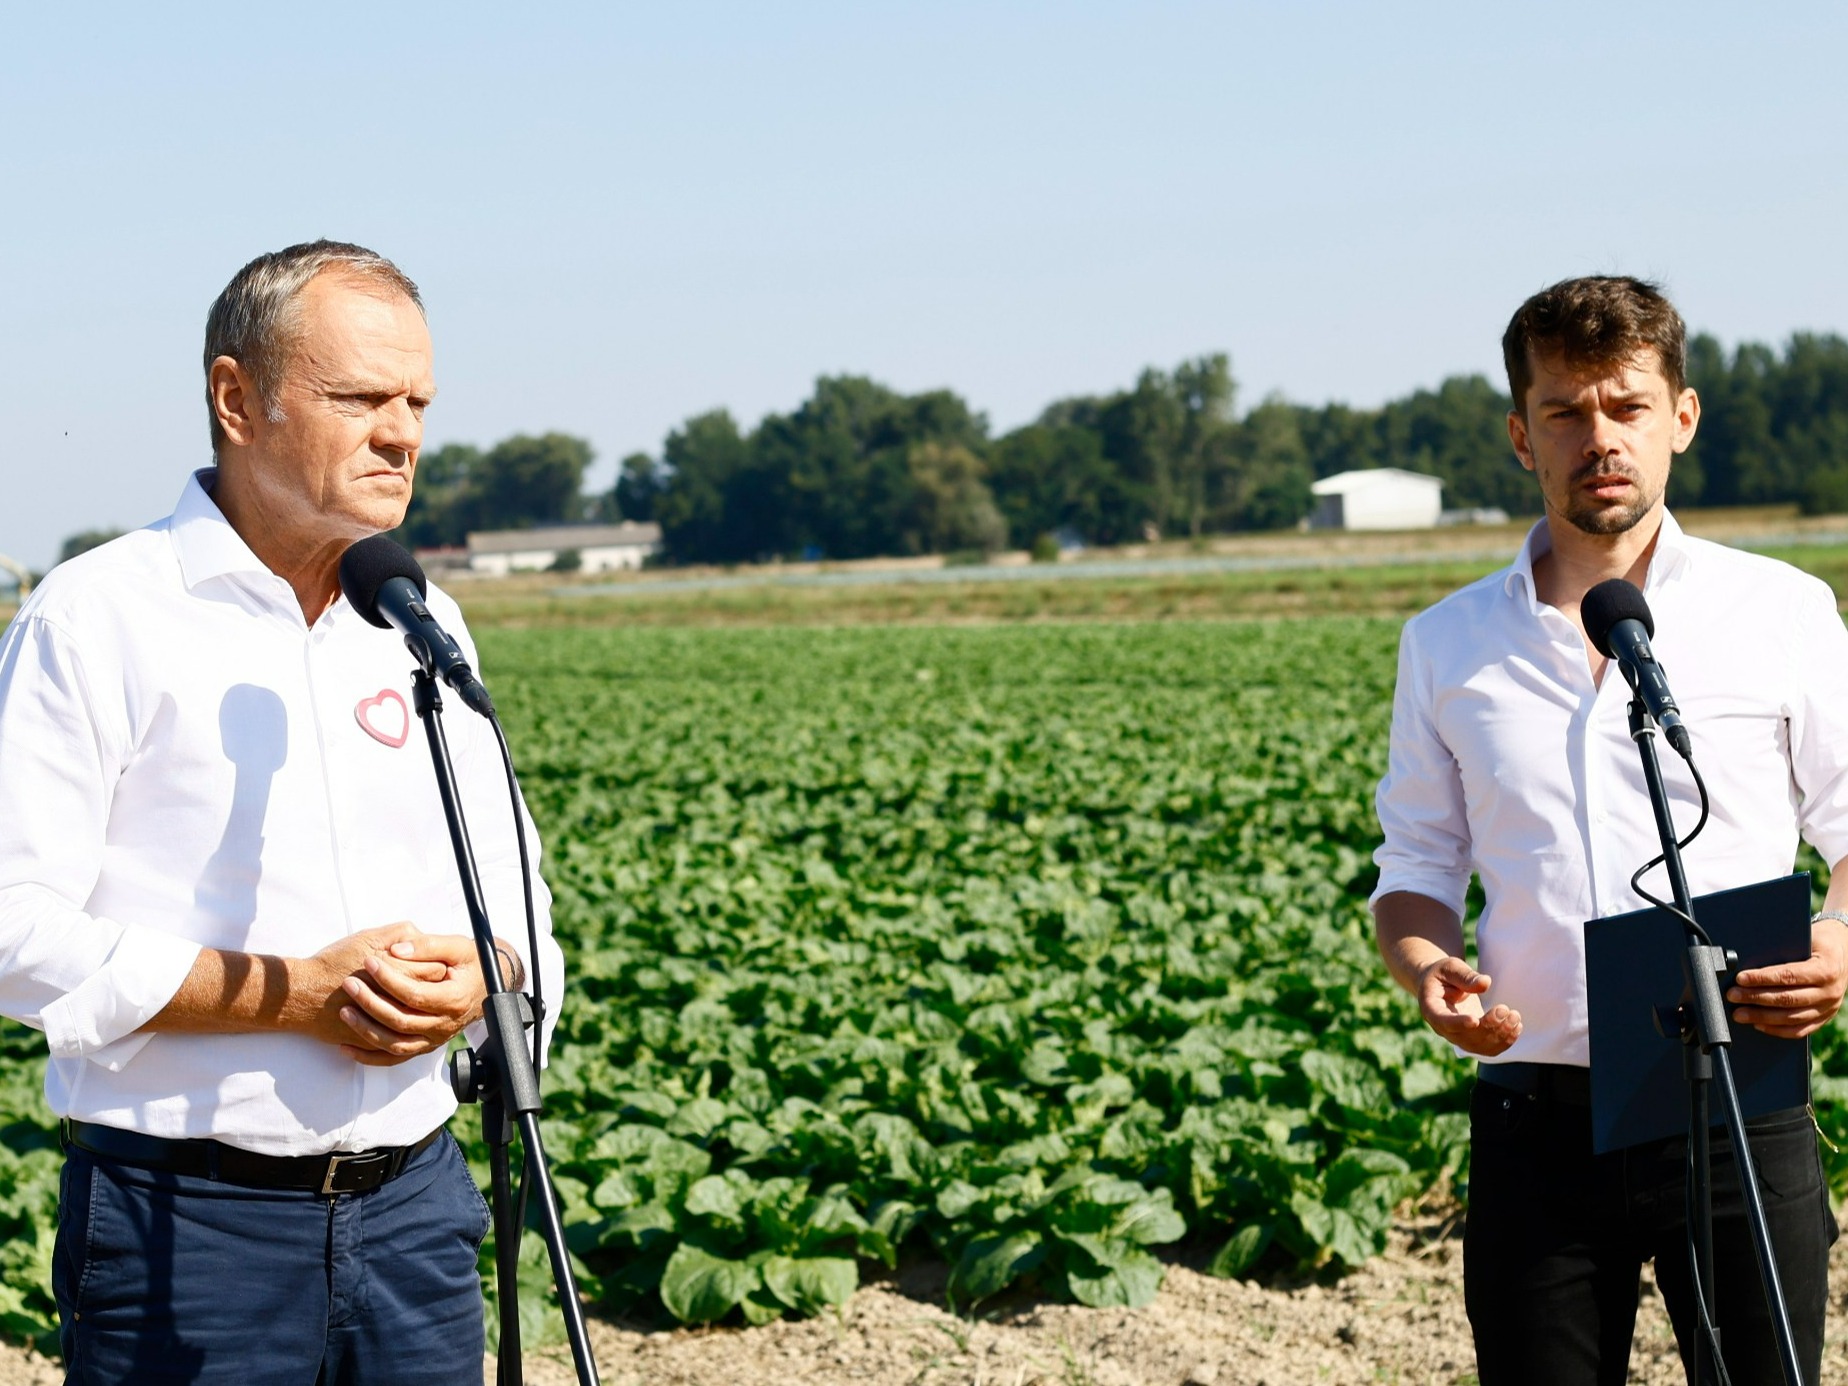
[[1639, 1091]]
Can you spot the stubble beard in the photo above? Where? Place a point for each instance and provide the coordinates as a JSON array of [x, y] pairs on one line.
[[1591, 518]]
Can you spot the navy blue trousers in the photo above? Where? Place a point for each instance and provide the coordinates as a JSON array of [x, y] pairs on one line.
[[165, 1278], [1556, 1238]]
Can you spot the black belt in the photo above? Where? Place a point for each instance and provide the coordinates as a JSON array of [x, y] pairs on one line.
[[1567, 1083], [341, 1172]]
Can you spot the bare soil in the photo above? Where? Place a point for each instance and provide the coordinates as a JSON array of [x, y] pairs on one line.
[[1398, 1321]]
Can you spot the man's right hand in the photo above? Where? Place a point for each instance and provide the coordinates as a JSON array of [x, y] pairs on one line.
[[1450, 994], [323, 982]]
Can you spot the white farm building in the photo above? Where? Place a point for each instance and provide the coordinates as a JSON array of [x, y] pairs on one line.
[[1377, 498], [599, 548]]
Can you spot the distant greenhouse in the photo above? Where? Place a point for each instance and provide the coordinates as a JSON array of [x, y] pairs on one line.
[[1377, 498]]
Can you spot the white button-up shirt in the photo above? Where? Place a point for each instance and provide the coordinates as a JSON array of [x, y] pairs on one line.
[[186, 763], [1508, 762]]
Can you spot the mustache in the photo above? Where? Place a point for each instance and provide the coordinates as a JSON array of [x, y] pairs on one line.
[[1606, 468]]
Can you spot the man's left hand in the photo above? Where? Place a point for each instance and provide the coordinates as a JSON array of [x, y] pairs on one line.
[[1792, 1000], [419, 997]]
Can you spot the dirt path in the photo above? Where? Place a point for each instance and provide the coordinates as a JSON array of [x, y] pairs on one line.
[[1397, 1321]]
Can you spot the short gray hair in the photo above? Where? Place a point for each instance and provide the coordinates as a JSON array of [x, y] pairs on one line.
[[256, 319]]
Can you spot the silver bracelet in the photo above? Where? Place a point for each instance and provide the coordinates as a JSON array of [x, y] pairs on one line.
[[1839, 916]]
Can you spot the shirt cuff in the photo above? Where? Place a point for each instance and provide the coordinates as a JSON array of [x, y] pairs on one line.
[[100, 1019], [1446, 890]]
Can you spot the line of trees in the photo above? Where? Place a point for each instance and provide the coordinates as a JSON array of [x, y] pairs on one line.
[[859, 470], [1773, 427]]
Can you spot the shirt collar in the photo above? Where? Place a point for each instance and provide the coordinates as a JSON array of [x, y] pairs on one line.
[[203, 540], [1670, 560]]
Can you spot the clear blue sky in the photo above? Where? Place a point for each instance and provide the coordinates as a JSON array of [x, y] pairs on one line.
[[622, 215]]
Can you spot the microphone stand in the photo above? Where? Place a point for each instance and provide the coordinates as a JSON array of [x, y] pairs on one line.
[[1699, 1022], [500, 1074]]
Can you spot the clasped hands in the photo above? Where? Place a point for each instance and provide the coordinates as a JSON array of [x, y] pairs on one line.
[[395, 992]]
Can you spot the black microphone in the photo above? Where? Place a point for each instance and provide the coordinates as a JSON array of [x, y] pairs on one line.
[[1617, 620], [387, 586]]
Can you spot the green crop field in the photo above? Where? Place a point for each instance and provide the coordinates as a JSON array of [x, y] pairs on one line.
[[1039, 948], [1035, 946]]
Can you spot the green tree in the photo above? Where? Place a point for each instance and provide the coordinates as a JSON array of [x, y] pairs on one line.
[[1049, 477], [835, 476], [1459, 432], [830, 477], [1338, 438], [1202, 447], [439, 514], [699, 521], [524, 481], [638, 486], [1141, 433], [949, 506], [1269, 489], [1109, 499]]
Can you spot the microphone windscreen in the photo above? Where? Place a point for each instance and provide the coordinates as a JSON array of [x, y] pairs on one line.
[[367, 566], [1607, 604]]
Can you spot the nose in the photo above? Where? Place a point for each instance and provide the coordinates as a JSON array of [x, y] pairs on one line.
[[399, 429], [1601, 439]]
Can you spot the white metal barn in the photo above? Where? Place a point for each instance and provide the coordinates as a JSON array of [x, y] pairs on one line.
[[1377, 498], [600, 548]]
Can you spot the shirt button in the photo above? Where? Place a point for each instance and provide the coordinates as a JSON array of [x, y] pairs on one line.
[[1603, 816]]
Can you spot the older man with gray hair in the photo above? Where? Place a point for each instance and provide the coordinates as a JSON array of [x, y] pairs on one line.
[[226, 896]]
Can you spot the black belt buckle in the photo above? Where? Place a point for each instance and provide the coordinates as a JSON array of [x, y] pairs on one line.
[[367, 1169]]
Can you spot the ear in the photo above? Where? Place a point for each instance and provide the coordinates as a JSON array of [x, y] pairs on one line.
[[1517, 435], [1687, 419], [234, 400]]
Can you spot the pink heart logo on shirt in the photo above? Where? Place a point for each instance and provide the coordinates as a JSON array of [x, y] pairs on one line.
[[377, 719]]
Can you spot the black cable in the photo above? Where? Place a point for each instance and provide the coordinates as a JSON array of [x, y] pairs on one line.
[[532, 946], [526, 886], [1636, 881]]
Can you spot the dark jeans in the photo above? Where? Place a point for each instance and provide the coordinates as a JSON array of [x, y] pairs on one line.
[[168, 1278], [1557, 1236]]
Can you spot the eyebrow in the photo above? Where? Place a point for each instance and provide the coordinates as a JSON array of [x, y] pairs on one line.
[[1572, 401], [369, 388]]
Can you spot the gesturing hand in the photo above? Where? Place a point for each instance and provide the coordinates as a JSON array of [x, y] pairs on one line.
[[413, 998], [1450, 995]]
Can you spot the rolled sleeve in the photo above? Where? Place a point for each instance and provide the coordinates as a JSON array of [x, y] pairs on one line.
[[1423, 821], [98, 1018]]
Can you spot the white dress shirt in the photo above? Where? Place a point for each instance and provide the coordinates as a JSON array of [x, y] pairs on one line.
[[187, 763], [1508, 762]]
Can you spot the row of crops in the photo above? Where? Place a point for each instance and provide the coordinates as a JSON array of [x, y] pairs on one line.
[[1035, 948]]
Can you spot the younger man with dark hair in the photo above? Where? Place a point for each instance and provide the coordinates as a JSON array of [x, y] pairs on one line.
[[1511, 760]]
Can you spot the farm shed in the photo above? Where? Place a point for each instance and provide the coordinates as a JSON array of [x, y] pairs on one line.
[[600, 548], [1377, 498]]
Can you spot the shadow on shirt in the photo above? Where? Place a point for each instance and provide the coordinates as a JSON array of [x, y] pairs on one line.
[[253, 727]]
